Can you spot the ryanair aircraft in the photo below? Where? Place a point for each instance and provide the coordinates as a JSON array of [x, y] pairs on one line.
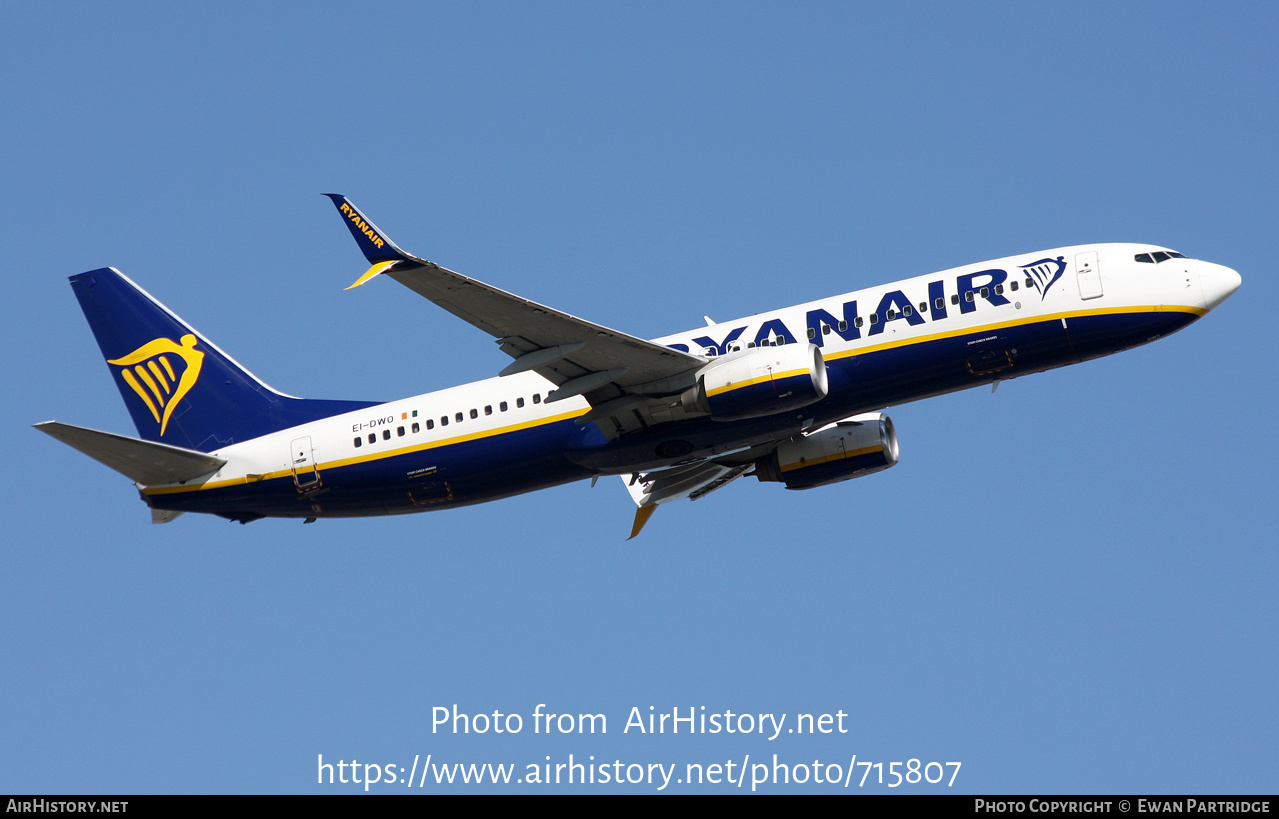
[[791, 396]]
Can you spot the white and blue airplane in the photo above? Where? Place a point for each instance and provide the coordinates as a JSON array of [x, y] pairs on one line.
[[792, 396]]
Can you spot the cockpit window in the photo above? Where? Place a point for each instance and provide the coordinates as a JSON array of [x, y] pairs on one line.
[[1158, 256]]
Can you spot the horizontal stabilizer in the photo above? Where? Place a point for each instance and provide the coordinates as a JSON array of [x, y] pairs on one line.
[[145, 462]]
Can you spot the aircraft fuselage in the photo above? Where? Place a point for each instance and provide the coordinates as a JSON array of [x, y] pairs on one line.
[[882, 346]]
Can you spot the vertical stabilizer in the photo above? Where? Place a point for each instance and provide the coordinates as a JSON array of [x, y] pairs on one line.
[[179, 387]]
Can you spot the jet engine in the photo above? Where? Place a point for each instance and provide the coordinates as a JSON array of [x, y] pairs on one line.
[[758, 381], [844, 450]]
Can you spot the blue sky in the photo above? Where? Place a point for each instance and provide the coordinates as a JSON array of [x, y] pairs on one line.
[[1068, 586]]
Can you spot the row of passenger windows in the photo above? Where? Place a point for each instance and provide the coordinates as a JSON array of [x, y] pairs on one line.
[[1158, 256], [458, 417], [938, 304]]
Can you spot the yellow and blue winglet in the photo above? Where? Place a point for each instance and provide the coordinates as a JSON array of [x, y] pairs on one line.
[[381, 252]]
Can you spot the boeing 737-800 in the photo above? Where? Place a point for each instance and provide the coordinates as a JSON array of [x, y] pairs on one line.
[[792, 396]]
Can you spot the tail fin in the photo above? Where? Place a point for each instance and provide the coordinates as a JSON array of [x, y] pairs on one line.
[[179, 387]]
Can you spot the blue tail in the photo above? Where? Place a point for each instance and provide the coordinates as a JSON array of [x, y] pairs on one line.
[[179, 387]]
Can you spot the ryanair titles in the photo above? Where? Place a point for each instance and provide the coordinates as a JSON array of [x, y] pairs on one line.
[[364, 226], [894, 305]]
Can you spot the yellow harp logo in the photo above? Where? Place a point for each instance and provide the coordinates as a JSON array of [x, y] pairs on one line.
[[151, 375]]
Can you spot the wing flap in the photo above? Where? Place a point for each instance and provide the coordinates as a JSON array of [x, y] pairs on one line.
[[693, 481]]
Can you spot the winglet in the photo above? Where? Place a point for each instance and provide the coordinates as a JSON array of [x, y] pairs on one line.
[[642, 514], [374, 244], [378, 267]]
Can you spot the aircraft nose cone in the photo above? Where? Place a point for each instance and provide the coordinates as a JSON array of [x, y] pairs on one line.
[[1218, 282]]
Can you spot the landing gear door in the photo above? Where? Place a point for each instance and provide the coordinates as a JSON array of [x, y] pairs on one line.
[[302, 462], [1088, 273]]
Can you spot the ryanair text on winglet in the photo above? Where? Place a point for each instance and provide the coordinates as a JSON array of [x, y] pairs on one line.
[[364, 226]]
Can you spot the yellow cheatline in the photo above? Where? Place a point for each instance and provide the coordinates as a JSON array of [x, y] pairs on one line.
[[373, 271], [642, 515], [373, 456], [826, 458], [1166, 308], [758, 380]]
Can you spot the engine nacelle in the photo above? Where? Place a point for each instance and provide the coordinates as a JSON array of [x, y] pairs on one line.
[[759, 381], [848, 449]]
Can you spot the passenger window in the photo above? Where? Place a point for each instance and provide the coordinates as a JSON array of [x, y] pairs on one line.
[[537, 398], [386, 435], [857, 321], [399, 432], [488, 409], [954, 299], [416, 427], [892, 314], [843, 325], [519, 402], [359, 442], [999, 288], [874, 318], [939, 302], [908, 310], [372, 438], [1029, 282], [812, 332], [502, 406], [1013, 285], [444, 420], [430, 423], [985, 292], [457, 416], [825, 329], [475, 413], [923, 307], [968, 296]]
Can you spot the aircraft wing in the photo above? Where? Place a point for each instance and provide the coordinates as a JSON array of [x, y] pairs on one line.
[[610, 368]]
